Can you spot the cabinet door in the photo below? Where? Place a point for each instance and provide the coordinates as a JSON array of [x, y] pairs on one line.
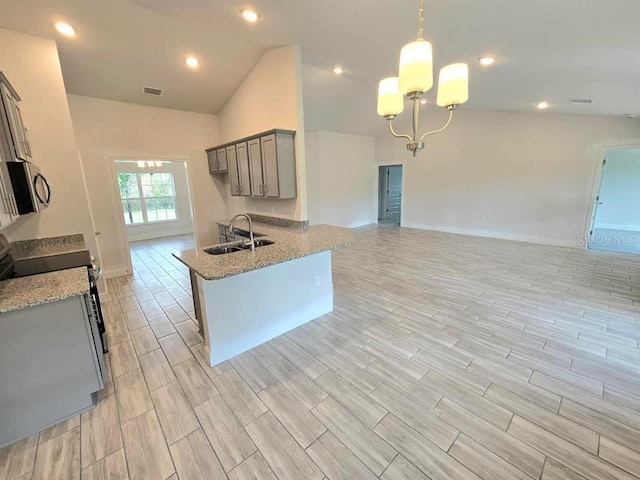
[[22, 130], [16, 129], [212, 157], [232, 163], [255, 168], [221, 155], [243, 169], [223, 160], [269, 149]]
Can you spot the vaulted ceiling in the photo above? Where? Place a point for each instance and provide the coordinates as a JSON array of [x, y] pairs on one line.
[[546, 49]]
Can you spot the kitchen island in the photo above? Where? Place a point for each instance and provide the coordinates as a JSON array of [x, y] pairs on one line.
[[246, 298]]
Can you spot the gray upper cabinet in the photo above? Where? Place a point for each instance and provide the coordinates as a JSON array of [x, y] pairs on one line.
[[263, 165], [212, 157], [232, 163], [17, 145], [217, 158], [244, 178], [278, 165], [255, 167], [223, 166]]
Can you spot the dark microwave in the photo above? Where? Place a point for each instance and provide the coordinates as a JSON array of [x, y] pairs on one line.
[[30, 188]]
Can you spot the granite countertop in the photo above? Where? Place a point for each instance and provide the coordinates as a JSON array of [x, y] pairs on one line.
[[24, 292], [45, 247], [289, 244]]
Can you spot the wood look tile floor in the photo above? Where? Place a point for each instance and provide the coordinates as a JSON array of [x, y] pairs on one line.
[[447, 357]]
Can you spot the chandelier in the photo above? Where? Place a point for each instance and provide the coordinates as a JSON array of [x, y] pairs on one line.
[[414, 79]]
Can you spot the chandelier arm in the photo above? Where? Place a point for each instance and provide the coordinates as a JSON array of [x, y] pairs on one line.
[[408, 137], [440, 130]]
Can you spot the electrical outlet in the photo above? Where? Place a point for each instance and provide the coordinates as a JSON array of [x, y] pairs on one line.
[[317, 280]]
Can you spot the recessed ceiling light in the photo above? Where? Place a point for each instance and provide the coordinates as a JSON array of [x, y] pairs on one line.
[[250, 16], [338, 70], [630, 115], [486, 61], [543, 105], [65, 29], [424, 101], [192, 62]]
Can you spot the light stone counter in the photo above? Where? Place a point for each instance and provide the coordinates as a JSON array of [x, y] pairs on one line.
[[46, 247], [24, 292], [289, 244]]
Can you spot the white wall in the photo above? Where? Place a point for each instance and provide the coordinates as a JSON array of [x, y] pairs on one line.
[[32, 66], [106, 129], [183, 224], [620, 192], [270, 97], [509, 175], [340, 178]]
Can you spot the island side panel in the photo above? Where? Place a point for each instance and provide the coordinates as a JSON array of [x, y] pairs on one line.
[[244, 311]]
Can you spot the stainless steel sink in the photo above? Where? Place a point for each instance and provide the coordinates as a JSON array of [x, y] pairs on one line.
[[222, 250], [236, 247]]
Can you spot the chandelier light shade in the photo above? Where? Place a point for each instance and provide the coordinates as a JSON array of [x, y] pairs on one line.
[[414, 79], [390, 100], [453, 87], [416, 67]]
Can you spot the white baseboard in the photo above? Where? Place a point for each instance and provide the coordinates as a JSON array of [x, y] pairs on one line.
[[150, 236], [117, 272], [360, 224], [492, 234], [613, 226]]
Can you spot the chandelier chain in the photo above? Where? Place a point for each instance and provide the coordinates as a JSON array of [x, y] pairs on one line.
[[421, 21]]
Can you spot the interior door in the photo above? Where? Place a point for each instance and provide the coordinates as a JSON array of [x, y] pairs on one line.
[[597, 202], [394, 197], [270, 166], [243, 169], [383, 192], [255, 168], [232, 163]]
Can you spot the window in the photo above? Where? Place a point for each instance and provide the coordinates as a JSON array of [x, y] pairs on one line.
[[147, 197]]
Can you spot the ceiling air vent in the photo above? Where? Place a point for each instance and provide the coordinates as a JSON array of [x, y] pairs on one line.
[[152, 91], [583, 101]]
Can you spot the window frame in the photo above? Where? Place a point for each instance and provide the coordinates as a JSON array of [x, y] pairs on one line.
[[143, 200]]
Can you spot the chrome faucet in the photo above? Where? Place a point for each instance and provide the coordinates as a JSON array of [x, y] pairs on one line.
[[251, 238]]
